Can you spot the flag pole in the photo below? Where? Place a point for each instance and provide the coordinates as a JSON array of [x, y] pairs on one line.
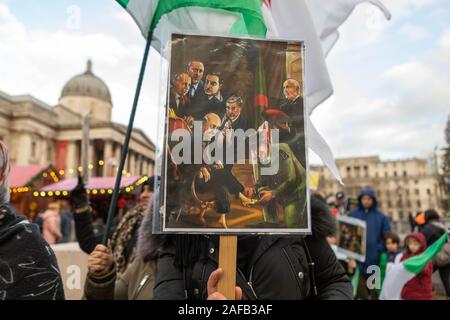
[[124, 149], [85, 147]]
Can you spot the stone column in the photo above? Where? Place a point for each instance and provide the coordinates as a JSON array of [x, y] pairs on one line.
[[24, 149], [150, 168], [91, 155], [132, 158], [138, 165], [43, 151], [72, 158], [116, 158], [107, 156], [144, 166]]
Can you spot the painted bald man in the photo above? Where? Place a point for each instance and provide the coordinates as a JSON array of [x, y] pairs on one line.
[[179, 100], [293, 107], [196, 69]]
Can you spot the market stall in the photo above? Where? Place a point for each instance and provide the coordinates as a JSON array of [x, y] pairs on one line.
[[99, 190], [24, 179]]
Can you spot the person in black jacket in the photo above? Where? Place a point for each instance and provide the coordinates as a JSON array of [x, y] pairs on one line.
[[268, 267], [123, 239], [195, 70], [212, 101], [28, 266], [433, 230]]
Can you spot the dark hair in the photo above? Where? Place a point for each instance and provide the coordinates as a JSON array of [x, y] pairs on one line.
[[237, 99], [150, 182], [393, 236], [431, 215], [319, 197], [217, 74], [340, 195]]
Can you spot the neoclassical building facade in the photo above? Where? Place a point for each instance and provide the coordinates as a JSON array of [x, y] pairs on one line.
[[403, 187], [37, 133]]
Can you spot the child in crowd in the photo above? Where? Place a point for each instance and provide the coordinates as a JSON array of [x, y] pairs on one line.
[[393, 251], [392, 255], [419, 287]]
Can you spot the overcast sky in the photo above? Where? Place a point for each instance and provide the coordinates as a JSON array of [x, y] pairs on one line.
[[391, 78]]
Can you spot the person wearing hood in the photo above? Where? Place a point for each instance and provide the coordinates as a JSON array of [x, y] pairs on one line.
[[419, 287], [377, 228], [28, 266]]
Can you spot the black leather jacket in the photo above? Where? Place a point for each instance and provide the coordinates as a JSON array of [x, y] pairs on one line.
[[28, 266], [281, 268], [293, 268]]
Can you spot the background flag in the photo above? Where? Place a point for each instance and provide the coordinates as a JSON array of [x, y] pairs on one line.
[[400, 273]]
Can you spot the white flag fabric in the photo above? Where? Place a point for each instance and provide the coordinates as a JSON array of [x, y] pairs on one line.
[[400, 273], [328, 15], [315, 22]]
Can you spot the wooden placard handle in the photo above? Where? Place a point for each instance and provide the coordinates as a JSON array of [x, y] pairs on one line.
[[227, 261]]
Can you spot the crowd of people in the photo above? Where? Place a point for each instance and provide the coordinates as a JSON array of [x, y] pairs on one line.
[[384, 247], [137, 264], [56, 222]]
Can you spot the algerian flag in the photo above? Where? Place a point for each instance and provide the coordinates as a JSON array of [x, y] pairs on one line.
[[400, 273], [314, 21], [231, 17]]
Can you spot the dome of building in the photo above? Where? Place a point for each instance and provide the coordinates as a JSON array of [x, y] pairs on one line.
[[87, 84]]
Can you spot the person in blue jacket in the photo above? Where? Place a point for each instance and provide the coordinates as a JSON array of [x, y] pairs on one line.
[[377, 227]]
